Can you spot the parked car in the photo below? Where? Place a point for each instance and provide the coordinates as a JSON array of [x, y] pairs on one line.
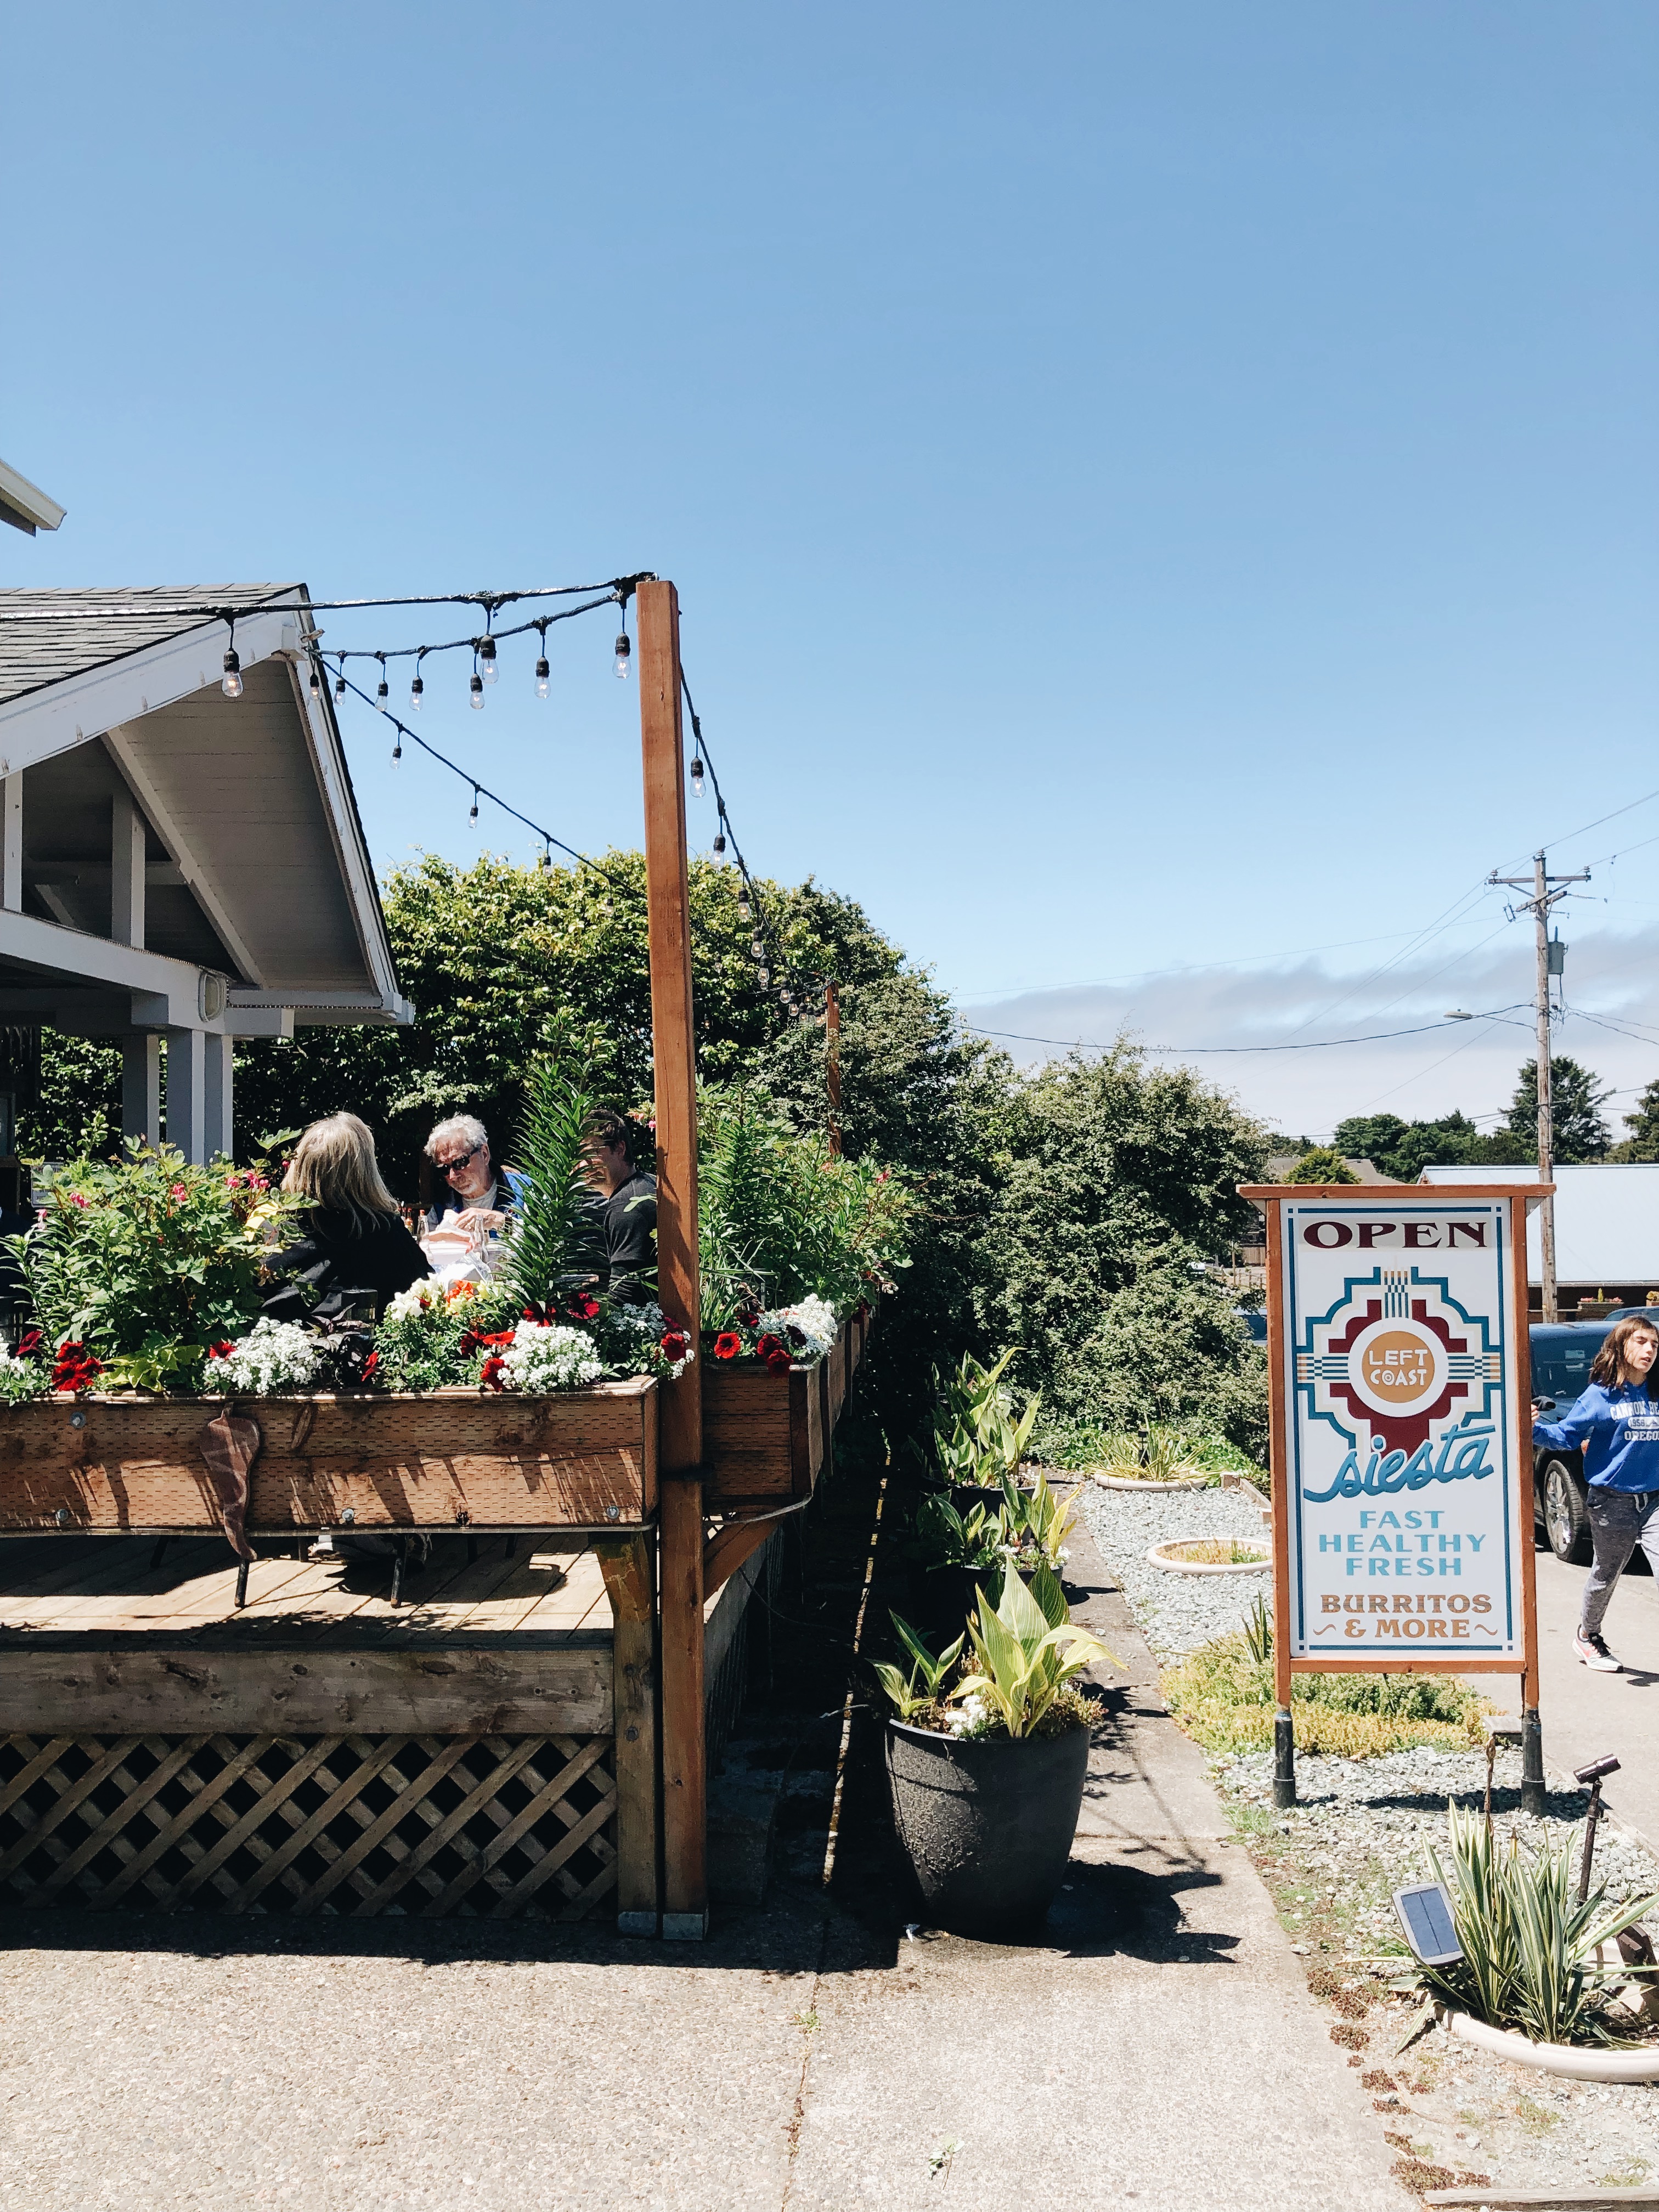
[[1561, 1356]]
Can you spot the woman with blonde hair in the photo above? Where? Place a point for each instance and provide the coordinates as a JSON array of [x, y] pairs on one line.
[[353, 1250]]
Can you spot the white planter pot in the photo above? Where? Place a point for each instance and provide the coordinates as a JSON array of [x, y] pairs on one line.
[[1157, 1554], [1586, 2065], [1126, 1482]]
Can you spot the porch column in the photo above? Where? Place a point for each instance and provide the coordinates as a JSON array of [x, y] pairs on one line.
[[140, 1085], [126, 919], [11, 844], [219, 1053], [187, 1092]]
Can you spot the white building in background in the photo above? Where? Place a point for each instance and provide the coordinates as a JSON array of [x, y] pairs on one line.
[[181, 861], [1606, 1228]]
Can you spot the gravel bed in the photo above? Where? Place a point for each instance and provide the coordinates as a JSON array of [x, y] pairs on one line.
[[1360, 1831], [1176, 1613]]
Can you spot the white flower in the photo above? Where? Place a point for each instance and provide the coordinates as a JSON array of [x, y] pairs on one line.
[[813, 1318], [414, 1300], [547, 1355], [274, 1356]]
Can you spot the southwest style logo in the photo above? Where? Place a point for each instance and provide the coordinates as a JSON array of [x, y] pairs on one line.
[[1395, 1355]]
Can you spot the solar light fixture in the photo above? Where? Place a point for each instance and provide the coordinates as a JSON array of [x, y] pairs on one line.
[[1424, 1913], [1591, 1777]]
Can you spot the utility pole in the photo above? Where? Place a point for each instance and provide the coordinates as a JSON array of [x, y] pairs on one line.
[[1551, 961], [832, 1061]]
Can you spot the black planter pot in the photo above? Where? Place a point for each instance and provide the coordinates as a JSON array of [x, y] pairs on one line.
[[964, 1496], [948, 1598], [987, 1827]]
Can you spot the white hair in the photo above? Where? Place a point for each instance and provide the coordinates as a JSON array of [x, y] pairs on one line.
[[467, 1127]]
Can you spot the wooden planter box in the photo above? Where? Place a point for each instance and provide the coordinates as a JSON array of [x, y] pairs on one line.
[[766, 1435], [448, 1459]]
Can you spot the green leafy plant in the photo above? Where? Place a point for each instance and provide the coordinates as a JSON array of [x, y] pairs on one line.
[[978, 1539], [977, 1437], [1529, 1945], [554, 1228], [1038, 1522], [1025, 1652], [148, 1260], [1223, 1695], [922, 1689], [1258, 1633]]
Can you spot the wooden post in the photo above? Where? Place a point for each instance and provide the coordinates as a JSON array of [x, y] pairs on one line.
[[832, 1061], [679, 1450], [628, 1565], [1284, 1723]]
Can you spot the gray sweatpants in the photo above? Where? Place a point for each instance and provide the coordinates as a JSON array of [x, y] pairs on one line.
[[1619, 1521]]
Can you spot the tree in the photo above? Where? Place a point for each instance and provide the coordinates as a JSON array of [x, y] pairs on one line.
[[1119, 1177], [1403, 1149], [1321, 1163], [1579, 1129], [1642, 1142]]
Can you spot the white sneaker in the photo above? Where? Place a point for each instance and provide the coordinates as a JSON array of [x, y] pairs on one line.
[[1594, 1653]]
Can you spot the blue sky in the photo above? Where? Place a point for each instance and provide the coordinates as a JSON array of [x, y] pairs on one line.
[[1149, 488]]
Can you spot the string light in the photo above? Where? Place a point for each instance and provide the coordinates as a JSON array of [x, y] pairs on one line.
[[476, 688], [544, 860], [315, 681], [624, 650], [473, 816], [696, 775], [416, 685], [487, 655], [743, 904], [340, 680], [397, 749], [231, 682], [719, 843], [381, 693], [543, 672]]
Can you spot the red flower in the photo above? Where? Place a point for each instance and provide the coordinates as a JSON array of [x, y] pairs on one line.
[[221, 1350], [490, 1374], [77, 1368], [748, 1321], [769, 1344], [29, 1343], [778, 1361], [673, 1347], [582, 1307], [370, 1365], [727, 1345]]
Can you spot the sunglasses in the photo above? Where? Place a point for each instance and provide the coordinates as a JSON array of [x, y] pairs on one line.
[[454, 1167]]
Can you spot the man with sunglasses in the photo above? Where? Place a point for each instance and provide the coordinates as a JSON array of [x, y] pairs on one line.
[[479, 1195]]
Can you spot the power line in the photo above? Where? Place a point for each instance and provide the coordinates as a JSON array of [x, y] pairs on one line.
[[1320, 1044]]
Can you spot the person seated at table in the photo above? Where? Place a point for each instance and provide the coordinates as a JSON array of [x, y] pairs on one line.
[[474, 1195], [349, 1246], [625, 1205]]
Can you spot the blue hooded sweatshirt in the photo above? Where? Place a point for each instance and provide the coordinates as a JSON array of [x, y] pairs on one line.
[[1618, 1429]]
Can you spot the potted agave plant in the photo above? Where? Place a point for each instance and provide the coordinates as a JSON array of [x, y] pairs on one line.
[[986, 1774]]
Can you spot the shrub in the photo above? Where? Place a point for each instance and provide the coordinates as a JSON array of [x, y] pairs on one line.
[[1223, 1697]]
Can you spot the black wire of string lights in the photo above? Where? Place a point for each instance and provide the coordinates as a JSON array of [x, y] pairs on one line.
[[344, 683], [766, 945], [215, 610]]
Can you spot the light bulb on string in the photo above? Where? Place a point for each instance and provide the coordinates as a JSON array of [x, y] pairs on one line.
[[696, 775], [743, 909], [476, 687], [315, 682], [487, 656], [417, 685], [381, 693], [544, 860], [231, 682], [624, 650], [764, 977], [339, 681], [397, 749], [473, 816], [543, 672], [718, 846]]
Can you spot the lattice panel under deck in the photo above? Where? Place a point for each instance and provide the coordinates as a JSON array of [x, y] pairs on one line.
[[482, 1826]]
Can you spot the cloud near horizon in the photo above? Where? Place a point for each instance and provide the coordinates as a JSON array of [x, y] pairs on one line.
[[1613, 977]]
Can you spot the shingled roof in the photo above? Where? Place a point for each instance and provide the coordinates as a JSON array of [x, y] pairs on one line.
[[48, 635]]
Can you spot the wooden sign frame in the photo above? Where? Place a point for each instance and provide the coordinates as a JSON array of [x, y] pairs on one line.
[[1518, 1199]]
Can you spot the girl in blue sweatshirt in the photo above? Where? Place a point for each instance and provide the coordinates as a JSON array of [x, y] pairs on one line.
[[1616, 1424]]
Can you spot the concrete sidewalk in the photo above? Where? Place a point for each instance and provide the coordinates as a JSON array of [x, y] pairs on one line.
[[1161, 2050]]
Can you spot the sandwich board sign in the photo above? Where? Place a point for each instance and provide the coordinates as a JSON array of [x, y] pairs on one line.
[[1400, 1393]]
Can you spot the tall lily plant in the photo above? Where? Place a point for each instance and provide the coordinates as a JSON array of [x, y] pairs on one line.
[[554, 1242], [1025, 1651]]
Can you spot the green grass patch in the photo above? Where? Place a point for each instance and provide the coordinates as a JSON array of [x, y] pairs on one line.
[[1224, 1698]]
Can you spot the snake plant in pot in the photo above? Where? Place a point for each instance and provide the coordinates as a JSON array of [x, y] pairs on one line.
[[986, 1772]]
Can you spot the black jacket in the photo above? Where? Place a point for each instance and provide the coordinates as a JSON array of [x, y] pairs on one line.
[[627, 1219], [346, 1263]]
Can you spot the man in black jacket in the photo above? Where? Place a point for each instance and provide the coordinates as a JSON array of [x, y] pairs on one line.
[[625, 1207]]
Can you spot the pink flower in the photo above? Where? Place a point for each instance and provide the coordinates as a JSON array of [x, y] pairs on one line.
[[77, 1198], [179, 1190]]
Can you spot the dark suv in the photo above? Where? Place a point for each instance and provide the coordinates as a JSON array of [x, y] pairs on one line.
[[1561, 1356]]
